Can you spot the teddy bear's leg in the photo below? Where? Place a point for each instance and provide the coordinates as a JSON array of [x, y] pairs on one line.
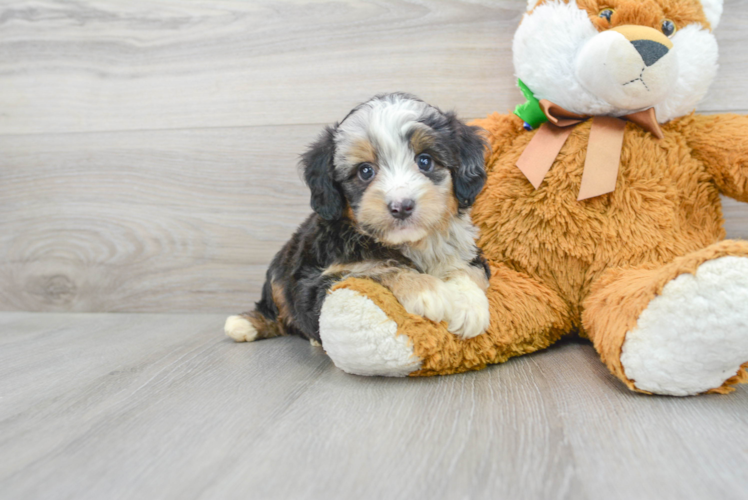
[[679, 329], [366, 331]]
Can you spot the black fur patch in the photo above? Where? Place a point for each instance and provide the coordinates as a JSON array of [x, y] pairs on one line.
[[461, 149], [299, 268], [318, 165], [481, 262]]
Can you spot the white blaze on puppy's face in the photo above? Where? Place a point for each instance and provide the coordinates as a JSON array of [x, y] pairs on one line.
[[396, 201], [619, 56]]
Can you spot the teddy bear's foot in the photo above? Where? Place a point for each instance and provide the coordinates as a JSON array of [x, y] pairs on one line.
[[694, 335], [360, 338]]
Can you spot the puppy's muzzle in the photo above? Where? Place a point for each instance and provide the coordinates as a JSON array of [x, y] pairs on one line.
[[402, 209]]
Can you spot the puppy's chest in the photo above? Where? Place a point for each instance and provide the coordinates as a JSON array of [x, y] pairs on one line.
[[439, 256]]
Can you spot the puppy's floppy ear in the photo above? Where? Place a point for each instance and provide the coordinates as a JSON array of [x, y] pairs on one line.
[[469, 148], [318, 165]]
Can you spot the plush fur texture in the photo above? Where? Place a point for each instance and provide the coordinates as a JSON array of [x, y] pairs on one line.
[[362, 339], [692, 336], [597, 267], [391, 186], [560, 43]]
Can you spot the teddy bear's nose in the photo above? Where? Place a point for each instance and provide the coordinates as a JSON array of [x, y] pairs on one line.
[[650, 50]]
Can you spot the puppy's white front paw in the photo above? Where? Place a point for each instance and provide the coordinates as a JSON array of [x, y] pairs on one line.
[[470, 314], [431, 303], [240, 329]]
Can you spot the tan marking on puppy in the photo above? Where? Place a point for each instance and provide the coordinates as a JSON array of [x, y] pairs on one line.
[[442, 201], [350, 214], [374, 212], [279, 298], [421, 140], [361, 151], [266, 329], [365, 269]]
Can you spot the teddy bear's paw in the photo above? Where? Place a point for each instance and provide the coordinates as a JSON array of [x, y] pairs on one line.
[[470, 315], [240, 329], [694, 335], [432, 302], [360, 338]]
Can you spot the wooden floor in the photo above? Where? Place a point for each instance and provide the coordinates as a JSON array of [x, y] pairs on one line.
[[152, 406]]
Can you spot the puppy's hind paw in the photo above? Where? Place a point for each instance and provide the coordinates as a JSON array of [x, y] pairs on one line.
[[240, 329]]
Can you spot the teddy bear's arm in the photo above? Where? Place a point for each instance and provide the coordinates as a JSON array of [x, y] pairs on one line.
[[502, 130], [721, 143]]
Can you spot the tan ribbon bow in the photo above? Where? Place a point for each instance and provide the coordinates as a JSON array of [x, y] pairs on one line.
[[603, 149]]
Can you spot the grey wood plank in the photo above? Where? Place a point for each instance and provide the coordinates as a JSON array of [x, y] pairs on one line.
[[638, 446], [95, 65], [146, 221], [89, 405], [736, 218], [160, 406], [487, 435]]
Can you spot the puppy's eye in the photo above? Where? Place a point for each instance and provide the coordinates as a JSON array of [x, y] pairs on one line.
[[366, 172], [606, 14], [425, 162], [668, 28]]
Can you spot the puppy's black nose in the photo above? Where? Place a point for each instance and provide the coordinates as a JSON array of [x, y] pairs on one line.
[[402, 209]]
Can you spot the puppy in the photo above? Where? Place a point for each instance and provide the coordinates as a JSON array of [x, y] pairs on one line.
[[391, 187]]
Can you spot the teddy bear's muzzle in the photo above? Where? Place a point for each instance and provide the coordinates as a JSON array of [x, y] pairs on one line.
[[630, 67]]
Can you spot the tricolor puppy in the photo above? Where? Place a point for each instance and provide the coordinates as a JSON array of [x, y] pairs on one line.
[[391, 187]]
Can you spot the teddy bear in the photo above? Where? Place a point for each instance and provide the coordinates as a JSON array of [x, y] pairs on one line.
[[601, 215]]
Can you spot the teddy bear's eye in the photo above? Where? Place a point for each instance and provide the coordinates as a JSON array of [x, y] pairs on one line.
[[668, 28], [606, 14]]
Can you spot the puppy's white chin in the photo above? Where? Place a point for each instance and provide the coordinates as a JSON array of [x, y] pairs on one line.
[[405, 234]]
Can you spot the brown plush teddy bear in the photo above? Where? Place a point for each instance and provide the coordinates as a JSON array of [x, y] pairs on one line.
[[601, 215]]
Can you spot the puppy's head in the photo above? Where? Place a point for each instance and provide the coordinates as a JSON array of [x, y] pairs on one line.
[[401, 166]]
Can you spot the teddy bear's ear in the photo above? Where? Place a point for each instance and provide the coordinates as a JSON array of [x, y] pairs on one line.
[[712, 10]]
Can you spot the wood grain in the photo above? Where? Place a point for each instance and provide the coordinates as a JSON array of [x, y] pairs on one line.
[[162, 407], [146, 221], [96, 65], [148, 148]]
